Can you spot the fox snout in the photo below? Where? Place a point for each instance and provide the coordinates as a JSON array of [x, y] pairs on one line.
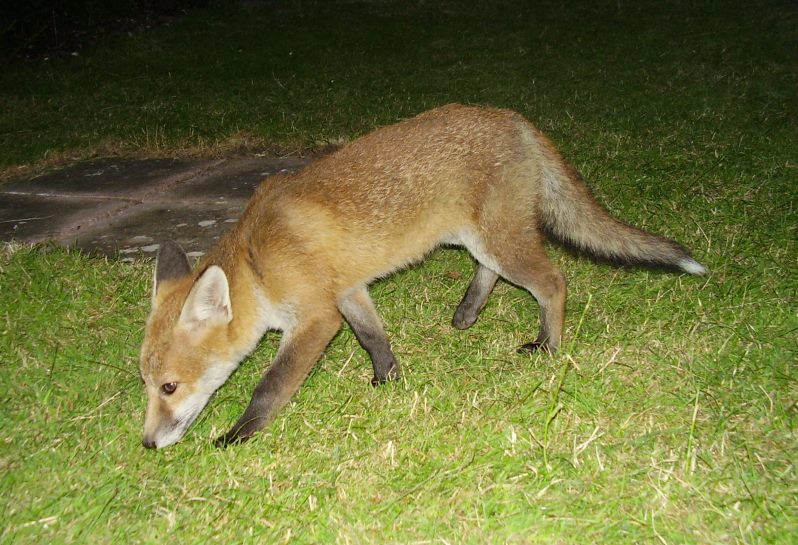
[[162, 426], [168, 418], [161, 439], [164, 433]]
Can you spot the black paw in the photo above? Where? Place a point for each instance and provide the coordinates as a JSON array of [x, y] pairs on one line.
[[534, 346], [230, 438], [392, 374], [461, 321]]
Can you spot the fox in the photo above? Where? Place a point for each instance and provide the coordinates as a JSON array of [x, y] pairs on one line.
[[308, 245]]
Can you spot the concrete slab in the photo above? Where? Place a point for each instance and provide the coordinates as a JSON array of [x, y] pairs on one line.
[[126, 207], [237, 179], [142, 228], [26, 218], [117, 177]]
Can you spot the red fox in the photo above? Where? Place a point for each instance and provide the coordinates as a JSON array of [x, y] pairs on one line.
[[308, 245]]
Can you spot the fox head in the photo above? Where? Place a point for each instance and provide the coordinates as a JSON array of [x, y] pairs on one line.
[[185, 355]]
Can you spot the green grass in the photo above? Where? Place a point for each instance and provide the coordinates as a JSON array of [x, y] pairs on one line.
[[670, 415]]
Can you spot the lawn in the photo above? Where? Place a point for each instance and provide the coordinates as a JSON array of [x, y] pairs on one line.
[[670, 415]]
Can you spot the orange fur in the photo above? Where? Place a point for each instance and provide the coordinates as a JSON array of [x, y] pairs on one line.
[[309, 244]]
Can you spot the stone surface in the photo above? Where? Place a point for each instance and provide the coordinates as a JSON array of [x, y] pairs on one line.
[[106, 177], [31, 218], [125, 208], [139, 232], [237, 180]]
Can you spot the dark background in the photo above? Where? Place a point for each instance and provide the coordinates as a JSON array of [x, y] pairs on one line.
[[33, 30]]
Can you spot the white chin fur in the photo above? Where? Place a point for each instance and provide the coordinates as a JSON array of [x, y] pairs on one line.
[[186, 414], [692, 266], [164, 440]]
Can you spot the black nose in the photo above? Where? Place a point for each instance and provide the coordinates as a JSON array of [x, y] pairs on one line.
[[148, 443]]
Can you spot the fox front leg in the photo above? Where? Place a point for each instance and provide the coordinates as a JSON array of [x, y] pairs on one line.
[[298, 352], [475, 297], [358, 310]]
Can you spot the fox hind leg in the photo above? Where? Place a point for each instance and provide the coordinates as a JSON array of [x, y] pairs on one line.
[[538, 275], [519, 257], [358, 310], [475, 297]]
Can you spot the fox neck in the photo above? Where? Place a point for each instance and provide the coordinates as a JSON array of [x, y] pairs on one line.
[[254, 311]]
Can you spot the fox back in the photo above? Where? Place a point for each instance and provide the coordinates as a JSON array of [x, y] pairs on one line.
[[308, 245]]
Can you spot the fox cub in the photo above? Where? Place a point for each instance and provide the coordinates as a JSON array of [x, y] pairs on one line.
[[309, 244]]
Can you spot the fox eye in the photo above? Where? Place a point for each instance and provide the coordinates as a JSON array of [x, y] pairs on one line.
[[169, 388]]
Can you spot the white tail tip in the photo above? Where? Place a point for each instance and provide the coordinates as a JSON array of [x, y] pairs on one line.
[[692, 266]]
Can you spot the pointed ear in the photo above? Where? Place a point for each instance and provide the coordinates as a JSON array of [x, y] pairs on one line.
[[171, 264], [209, 300]]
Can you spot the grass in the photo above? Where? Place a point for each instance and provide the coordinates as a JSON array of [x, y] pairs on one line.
[[670, 415]]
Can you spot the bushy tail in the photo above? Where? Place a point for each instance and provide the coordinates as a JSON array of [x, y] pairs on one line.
[[571, 213]]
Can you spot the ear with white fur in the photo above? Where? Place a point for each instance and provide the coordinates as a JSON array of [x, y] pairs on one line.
[[209, 300]]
